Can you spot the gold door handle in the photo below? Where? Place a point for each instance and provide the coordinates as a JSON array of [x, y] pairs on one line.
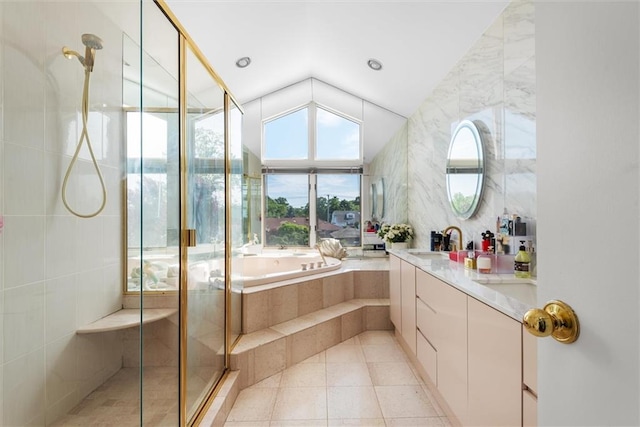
[[189, 237], [556, 319]]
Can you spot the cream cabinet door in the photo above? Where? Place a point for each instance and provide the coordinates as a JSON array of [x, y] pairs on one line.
[[530, 361], [408, 298], [495, 367], [444, 322], [530, 379], [394, 292], [529, 409]]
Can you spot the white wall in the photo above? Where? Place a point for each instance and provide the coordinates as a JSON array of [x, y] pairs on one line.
[[494, 82], [587, 73], [58, 272]]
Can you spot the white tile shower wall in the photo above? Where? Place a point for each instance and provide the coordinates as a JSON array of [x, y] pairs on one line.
[[495, 83], [57, 272]]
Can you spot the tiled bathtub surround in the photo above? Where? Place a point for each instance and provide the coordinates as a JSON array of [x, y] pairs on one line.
[[268, 351], [265, 306], [287, 322], [494, 82]]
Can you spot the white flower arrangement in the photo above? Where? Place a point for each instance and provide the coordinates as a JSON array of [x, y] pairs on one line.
[[395, 233]]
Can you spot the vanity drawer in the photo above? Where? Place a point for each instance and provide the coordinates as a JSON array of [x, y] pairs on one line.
[[427, 357], [434, 292], [424, 285], [426, 320]]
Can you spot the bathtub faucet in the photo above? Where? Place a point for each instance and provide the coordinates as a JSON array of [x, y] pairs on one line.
[[321, 254]]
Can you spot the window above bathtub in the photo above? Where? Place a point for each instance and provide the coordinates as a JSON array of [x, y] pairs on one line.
[[301, 209]]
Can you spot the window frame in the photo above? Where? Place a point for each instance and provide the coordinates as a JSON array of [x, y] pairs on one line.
[[312, 109], [311, 167], [312, 176], [156, 165]]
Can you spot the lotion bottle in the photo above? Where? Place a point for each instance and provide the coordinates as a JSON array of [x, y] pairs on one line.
[[483, 263], [522, 263]]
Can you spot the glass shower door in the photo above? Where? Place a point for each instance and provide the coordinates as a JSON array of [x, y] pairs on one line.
[[203, 224]]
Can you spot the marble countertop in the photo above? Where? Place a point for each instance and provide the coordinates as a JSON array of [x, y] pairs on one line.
[[504, 292]]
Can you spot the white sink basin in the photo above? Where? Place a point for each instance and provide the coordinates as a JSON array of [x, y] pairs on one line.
[[522, 291]]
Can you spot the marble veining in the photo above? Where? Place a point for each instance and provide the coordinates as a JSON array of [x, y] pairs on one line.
[[519, 34], [494, 83], [463, 279]]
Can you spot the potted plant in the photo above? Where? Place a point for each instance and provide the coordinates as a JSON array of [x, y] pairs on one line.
[[397, 235]]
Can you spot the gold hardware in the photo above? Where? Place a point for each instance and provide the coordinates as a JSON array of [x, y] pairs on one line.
[[189, 237], [556, 319], [470, 263], [460, 242]]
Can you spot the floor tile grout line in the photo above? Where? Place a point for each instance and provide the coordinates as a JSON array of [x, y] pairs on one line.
[[359, 345], [376, 394]]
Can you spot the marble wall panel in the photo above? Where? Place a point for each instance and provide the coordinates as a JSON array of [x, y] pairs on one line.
[[493, 83]]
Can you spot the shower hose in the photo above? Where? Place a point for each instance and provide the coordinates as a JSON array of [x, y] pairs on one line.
[[84, 136]]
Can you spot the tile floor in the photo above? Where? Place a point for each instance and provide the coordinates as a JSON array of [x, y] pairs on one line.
[[117, 401], [364, 381]]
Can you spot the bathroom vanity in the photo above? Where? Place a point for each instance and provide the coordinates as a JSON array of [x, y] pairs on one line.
[[463, 331]]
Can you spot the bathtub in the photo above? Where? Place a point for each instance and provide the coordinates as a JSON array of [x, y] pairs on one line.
[[253, 270], [274, 267]]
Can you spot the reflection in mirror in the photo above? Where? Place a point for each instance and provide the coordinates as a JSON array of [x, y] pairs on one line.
[[465, 169], [376, 197], [373, 196], [379, 200]]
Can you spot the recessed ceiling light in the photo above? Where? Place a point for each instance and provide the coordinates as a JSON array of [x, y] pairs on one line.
[[243, 62], [374, 64]]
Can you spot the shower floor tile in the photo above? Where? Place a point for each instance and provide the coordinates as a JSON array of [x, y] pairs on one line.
[[354, 383], [117, 401]]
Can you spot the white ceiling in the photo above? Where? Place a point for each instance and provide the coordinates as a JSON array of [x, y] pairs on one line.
[[418, 42]]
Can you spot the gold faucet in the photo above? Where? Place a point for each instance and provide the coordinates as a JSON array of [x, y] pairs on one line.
[[460, 241], [321, 255]]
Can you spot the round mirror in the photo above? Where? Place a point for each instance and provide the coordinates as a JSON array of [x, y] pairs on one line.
[[465, 169]]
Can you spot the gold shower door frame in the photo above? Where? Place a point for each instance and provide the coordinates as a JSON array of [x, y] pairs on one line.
[[192, 416]]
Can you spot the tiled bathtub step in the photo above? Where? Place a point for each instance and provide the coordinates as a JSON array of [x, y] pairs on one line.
[[269, 305], [263, 353]]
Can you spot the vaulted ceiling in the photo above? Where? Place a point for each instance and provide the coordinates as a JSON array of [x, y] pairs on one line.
[[417, 42]]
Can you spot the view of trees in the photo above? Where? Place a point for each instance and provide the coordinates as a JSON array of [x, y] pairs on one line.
[[292, 234], [462, 203], [324, 212], [280, 208]]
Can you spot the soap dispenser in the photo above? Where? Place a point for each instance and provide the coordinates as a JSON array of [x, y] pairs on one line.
[[522, 262]]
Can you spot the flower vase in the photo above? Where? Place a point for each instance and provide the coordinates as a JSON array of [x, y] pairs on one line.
[[399, 245]]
